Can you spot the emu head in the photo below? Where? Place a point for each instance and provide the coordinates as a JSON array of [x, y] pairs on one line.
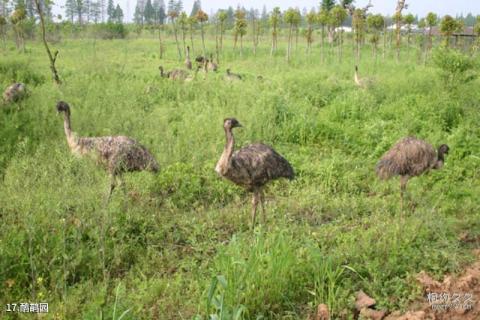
[[443, 149], [62, 106], [356, 68], [230, 123]]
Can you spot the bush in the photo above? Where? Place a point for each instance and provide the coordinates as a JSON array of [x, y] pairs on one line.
[[19, 71], [455, 67], [112, 30]]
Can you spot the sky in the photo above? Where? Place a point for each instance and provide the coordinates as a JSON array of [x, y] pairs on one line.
[[417, 7]]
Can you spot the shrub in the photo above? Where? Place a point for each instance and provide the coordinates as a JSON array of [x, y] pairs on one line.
[[112, 30], [19, 71], [455, 67]]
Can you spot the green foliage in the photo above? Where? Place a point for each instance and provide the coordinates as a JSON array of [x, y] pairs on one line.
[[338, 14], [19, 70], [455, 68], [431, 20], [111, 30]]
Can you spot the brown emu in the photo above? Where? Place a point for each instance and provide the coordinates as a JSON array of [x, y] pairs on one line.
[[410, 157], [210, 65], [188, 62], [118, 154], [230, 76], [362, 82], [252, 166], [14, 93]]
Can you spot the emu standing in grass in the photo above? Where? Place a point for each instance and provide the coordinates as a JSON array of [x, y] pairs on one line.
[[188, 62], [210, 65], [362, 82], [14, 93], [410, 157], [252, 166], [118, 154]]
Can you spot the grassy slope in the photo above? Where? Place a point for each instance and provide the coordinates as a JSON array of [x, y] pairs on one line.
[[334, 230]]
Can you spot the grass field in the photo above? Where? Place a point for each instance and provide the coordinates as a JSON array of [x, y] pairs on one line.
[[179, 246]]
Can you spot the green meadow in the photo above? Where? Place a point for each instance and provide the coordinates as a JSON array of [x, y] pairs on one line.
[[179, 244]]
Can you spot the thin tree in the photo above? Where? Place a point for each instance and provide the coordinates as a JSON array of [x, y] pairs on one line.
[[448, 26], [311, 20], [398, 23], [375, 25], [183, 21], [52, 58], [275, 17], [3, 25], [173, 15], [431, 21], [409, 19], [202, 17], [222, 21], [476, 29], [358, 23], [240, 28], [253, 18], [292, 18], [323, 19], [337, 15], [17, 19], [192, 21]]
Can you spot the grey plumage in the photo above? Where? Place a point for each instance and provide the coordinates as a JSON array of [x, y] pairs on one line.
[[251, 167], [175, 74], [410, 157], [230, 76], [117, 154], [14, 92]]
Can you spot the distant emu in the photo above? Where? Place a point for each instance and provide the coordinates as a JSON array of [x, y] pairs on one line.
[[362, 82], [410, 157], [188, 62], [230, 76], [252, 166], [14, 93], [118, 154], [175, 74], [210, 65]]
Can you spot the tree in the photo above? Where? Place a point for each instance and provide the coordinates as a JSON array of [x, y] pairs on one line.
[[182, 22], [192, 21], [338, 14], [275, 17], [430, 21], [292, 18], [375, 25], [70, 9], [398, 22], [118, 14], [52, 58], [253, 18], [17, 18], [79, 8], [195, 8], [311, 19], [240, 28], [110, 10], [3, 24], [173, 13], [358, 24], [323, 19], [222, 19], [448, 26], [149, 13], [476, 29], [409, 19], [202, 17]]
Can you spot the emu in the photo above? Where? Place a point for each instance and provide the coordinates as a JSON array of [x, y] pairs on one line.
[[14, 92], [410, 157], [118, 154], [188, 62], [200, 60], [251, 167], [232, 76], [210, 65], [362, 82], [175, 74]]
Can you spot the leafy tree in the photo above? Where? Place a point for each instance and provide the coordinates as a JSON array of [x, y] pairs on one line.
[[311, 20], [358, 24], [3, 24], [275, 17], [173, 12], [183, 22], [401, 5], [431, 21], [202, 18], [149, 13], [240, 28], [338, 15], [292, 17], [192, 21], [323, 19], [409, 19], [253, 16], [118, 14], [327, 5], [17, 19], [375, 25], [110, 10], [448, 26], [222, 17], [70, 9]]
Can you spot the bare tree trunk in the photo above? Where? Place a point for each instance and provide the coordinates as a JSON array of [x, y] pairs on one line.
[[241, 45], [160, 41], [398, 16], [203, 38], [254, 37], [184, 36], [52, 58], [176, 40], [323, 44], [191, 37], [289, 42], [384, 39]]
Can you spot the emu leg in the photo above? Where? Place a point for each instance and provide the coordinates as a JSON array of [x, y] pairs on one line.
[[255, 199], [262, 202], [113, 183], [403, 188]]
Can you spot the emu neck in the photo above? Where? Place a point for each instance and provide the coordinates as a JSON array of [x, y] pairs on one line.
[[440, 160], [224, 162], [68, 131], [357, 78]]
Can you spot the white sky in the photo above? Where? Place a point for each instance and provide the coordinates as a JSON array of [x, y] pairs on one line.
[[420, 7]]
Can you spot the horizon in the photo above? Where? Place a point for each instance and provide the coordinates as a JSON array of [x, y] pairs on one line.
[[440, 7]]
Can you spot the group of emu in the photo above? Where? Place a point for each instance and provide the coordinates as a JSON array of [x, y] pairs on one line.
[[250, 167]]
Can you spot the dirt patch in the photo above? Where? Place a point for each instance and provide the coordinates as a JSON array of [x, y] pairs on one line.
[[455, 298]]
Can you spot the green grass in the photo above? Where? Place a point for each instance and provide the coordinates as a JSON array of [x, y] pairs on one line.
[[180, 246]]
